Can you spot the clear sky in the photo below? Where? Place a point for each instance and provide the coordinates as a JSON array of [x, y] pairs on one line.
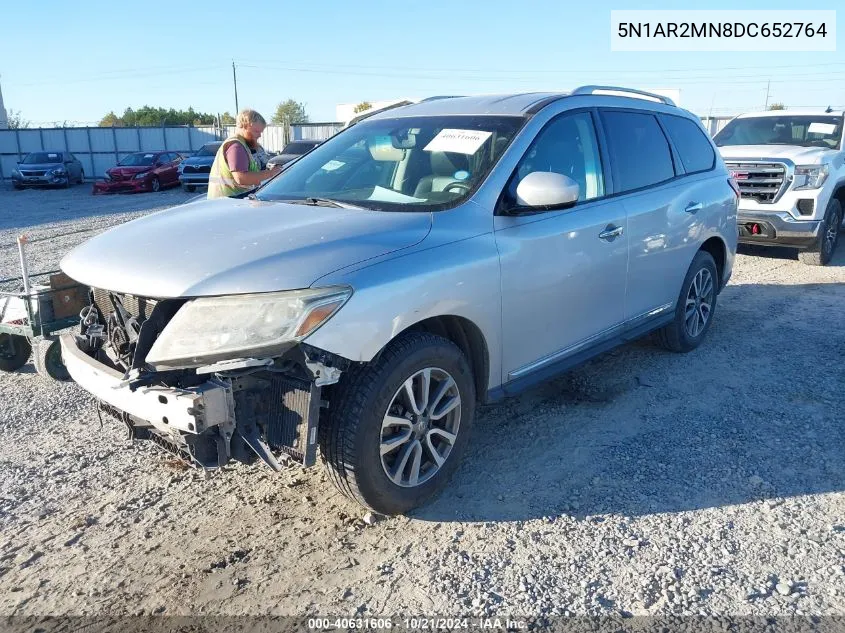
[[75, 61]]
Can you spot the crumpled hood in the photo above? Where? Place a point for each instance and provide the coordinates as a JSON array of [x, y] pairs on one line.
[[127, 171], [797, 154], [233, 246]]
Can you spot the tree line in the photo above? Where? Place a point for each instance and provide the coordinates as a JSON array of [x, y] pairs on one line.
[[288, 112]]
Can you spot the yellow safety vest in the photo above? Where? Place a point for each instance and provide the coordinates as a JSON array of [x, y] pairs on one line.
[[221, 183]]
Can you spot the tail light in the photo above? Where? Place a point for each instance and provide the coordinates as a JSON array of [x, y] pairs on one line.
[[734, 186]]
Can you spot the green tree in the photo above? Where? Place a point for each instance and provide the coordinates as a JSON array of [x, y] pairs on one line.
[[777, 106], [111, 120], [362, 107], [16, 120], [227, 119], [290, 111], [150, 116]]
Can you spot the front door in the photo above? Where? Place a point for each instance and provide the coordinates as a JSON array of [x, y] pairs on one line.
[[563, 272]]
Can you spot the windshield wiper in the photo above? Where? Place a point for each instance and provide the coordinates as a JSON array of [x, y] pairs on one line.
[[321, 202]]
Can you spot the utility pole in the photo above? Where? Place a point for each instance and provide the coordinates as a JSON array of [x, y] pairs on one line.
[[768, 84], [235, 79]]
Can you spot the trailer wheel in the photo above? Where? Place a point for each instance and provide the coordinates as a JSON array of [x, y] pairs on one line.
[[14, 351], [48, 360]]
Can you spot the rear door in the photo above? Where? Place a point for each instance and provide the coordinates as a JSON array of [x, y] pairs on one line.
[[662, 226]]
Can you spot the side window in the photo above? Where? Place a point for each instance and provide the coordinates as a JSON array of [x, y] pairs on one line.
[[565, 146], [640, 152], [695, 150]]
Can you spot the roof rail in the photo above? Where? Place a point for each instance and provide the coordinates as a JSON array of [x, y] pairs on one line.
[[368, 113], [438, 97], [591, 90]]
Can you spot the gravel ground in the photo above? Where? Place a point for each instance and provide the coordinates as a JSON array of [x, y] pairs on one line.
[[642, 483]]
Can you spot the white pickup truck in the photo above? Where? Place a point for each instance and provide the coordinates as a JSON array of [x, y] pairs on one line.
[[790, 168]]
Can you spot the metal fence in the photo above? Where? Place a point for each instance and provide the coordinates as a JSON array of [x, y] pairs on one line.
[[99, 148]]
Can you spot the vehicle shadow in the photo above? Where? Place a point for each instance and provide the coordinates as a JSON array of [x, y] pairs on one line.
[[754, 413], [777, 252]]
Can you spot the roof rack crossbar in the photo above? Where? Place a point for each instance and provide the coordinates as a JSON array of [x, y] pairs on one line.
[[590, 90]]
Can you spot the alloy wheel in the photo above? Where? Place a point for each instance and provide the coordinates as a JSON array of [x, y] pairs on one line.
[[420, 428], [699, 303]]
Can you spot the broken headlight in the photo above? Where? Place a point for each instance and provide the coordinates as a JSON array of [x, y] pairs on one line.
[[211, 329]]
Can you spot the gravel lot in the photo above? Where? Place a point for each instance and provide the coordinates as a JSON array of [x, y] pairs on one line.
[[642, 483]]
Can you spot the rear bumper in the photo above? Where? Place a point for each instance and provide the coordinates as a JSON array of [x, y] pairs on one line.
[[777, 229], [173, 412]]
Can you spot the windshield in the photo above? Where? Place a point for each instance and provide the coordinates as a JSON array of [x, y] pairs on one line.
[[137, 160], [42, 157], [805, 130], [401, 164], [298, 148], [209, 149]]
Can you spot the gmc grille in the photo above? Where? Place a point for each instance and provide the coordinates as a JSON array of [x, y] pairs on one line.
[[762, 182]]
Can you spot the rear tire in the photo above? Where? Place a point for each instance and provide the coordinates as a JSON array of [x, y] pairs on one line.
[[14, 351], [822, 251], [696, 306], [48, 360], [372, 430]]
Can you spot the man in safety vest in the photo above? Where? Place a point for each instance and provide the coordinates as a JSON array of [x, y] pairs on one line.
[[235, 169]]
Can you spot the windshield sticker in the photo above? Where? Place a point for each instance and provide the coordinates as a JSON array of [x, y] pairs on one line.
[[821, 128], [461, 175], [458, 141], [381, 194], [332, 165]]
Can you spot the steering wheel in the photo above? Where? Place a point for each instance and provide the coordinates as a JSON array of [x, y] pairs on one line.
[[457, 184]]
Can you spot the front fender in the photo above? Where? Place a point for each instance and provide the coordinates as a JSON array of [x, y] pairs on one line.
[[456, 279]]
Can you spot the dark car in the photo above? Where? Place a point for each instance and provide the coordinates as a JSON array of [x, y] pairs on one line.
[[194, 170], [141, 171], [292, 151], [60, 169]]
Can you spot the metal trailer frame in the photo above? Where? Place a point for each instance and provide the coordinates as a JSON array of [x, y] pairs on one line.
[[32, 299]]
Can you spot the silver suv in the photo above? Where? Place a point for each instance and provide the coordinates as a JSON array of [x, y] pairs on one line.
[[422, 261]]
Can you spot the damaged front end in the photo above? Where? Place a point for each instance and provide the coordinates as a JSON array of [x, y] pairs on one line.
[[210, 379]]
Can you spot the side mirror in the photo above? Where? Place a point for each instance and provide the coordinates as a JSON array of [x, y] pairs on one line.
[[546, 189]]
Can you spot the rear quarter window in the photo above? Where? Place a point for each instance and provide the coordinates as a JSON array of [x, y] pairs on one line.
[[695, 150], [639, 151]]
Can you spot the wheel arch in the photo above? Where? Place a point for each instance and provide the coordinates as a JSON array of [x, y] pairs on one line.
[[719, 251], [470, 340]]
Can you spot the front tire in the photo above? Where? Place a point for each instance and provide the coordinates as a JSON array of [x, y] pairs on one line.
[[696, 306], [822, 252], [397, 427], [48, 362], [155, 185]]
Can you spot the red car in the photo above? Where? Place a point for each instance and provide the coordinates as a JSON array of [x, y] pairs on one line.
[[141, 171]]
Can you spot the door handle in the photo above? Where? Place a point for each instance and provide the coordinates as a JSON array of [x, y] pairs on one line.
[[694, 207], [611, 233]]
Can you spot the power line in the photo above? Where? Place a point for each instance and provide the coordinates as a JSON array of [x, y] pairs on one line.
[[530, 71]]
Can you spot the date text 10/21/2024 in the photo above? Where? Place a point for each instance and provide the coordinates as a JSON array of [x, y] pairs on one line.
[[418, 624]]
